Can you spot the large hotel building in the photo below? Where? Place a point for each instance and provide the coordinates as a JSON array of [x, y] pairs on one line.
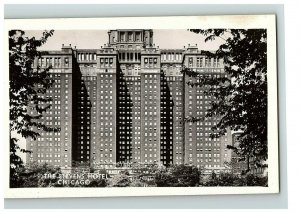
[[126, 102]]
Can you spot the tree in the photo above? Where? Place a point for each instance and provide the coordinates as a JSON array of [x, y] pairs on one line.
[[254, 180], [137, 183], [163, 178], [239, 99], [178, 176], [26, 86], [120, 180], [97, 183], [229, 179], [37, 175]]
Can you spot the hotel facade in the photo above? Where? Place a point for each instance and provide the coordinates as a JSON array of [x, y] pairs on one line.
[[126, 102]]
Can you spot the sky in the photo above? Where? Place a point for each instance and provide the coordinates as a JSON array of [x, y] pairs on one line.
[[94, 39]]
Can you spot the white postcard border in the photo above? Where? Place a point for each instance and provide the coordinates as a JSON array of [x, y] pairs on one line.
[[176, 22]]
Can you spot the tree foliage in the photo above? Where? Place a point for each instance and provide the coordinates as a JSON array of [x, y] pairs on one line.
[[34, 176], [120, 180], [97, 183], [178, 176], [229, 179], [137, 183], [239, 98], [27, 84]]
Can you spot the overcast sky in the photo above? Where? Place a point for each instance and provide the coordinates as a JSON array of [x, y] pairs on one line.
[[94, 39]]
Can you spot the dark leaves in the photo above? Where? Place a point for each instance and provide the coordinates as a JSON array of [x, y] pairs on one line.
[[27, 86], [240, 99]]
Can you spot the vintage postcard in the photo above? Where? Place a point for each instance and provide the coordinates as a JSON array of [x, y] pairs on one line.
[[141, 106]]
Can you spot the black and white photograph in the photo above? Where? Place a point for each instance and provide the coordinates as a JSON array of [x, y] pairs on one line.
[[153, 105]]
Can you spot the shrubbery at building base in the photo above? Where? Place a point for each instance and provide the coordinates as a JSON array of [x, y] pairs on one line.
[[173, 176]]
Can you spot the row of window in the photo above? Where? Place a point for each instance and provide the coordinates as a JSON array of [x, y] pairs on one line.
[[204, 62], [171, 56], [57, 75], [131, 78], [106, 61], [41, 155], [86, 56], [89, 77], [129, 56], [54, 62]]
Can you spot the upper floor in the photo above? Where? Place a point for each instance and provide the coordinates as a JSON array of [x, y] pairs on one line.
[[130, 47]]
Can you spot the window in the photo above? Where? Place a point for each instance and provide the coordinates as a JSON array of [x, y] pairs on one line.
[[206, 62], [42, 62], [130, 36], [190, 61], [66, 61], [122, 36], [198, 62], [137, 36]]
